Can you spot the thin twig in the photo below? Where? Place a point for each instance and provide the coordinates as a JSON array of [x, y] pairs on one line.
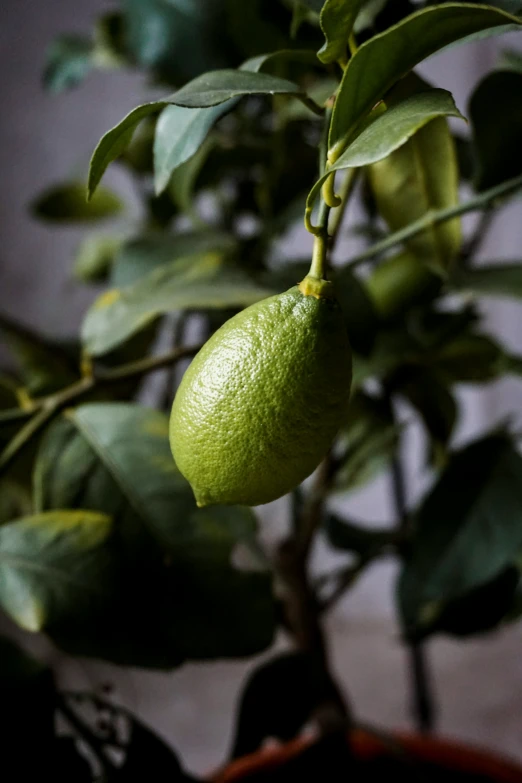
[[44, 409], [337, 216], [435, 217], [475, 243], [423, 702]]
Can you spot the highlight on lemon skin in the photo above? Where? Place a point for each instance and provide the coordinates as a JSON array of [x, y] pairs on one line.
[[261, 403]]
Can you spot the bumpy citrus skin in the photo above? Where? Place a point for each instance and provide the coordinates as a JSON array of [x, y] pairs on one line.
[[259, 406]]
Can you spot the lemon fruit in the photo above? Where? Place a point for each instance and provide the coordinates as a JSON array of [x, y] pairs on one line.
[[258, 408]]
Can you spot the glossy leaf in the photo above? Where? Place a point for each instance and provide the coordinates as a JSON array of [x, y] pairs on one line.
[[68, 62], [496, 117], [204, 282], [467, 529], [95, 257], [390, 130], [189, 602], [90, 457], [180, 132], [183, 181], [140, 256], [216, 87], [337, 21], [503, 279], [421, 176], [52, 564], [384, 59], [66, 203]]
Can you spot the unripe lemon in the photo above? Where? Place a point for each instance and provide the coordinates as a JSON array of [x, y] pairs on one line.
[[259, 406]]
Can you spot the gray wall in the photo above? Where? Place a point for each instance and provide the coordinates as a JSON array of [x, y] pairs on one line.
[[43, 139]]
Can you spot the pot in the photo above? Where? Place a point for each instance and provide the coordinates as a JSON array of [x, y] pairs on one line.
[[446, 755]]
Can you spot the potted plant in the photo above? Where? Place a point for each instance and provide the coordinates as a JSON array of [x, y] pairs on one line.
[[270, 112]]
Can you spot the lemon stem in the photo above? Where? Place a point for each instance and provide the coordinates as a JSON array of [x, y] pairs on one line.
[[320, 251]]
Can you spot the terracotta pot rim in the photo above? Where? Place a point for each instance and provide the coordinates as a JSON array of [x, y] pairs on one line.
[[448, 754]]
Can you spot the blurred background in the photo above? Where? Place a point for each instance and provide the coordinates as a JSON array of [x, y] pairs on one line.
[[44, 139]]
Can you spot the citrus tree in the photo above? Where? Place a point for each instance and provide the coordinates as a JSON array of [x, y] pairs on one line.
[[271, 113]]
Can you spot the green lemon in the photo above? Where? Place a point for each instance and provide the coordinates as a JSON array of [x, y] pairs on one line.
[[259, 406]]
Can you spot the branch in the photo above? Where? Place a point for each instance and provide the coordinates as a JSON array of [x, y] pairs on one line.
[[435, 217], [45, 409], [423, 702]]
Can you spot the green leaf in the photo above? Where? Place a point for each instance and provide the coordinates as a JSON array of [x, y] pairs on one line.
[[66, 203], [140, 256], [176, 39], [368, 13], [189, 600], [110, 45], [337, 21], [384, 59], [511, 6], [216, 87], [353, 537], [227, 612], [183, 181], [95, 257], [90, 458], [68, 61], [390, 130], [115, 141], [478, 611], [467, 529], [470, 358], [496, 117], [43, 364], [207, 281], [52, 564], [369, 440], [502, 279], [180, 132], [420, 176]]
